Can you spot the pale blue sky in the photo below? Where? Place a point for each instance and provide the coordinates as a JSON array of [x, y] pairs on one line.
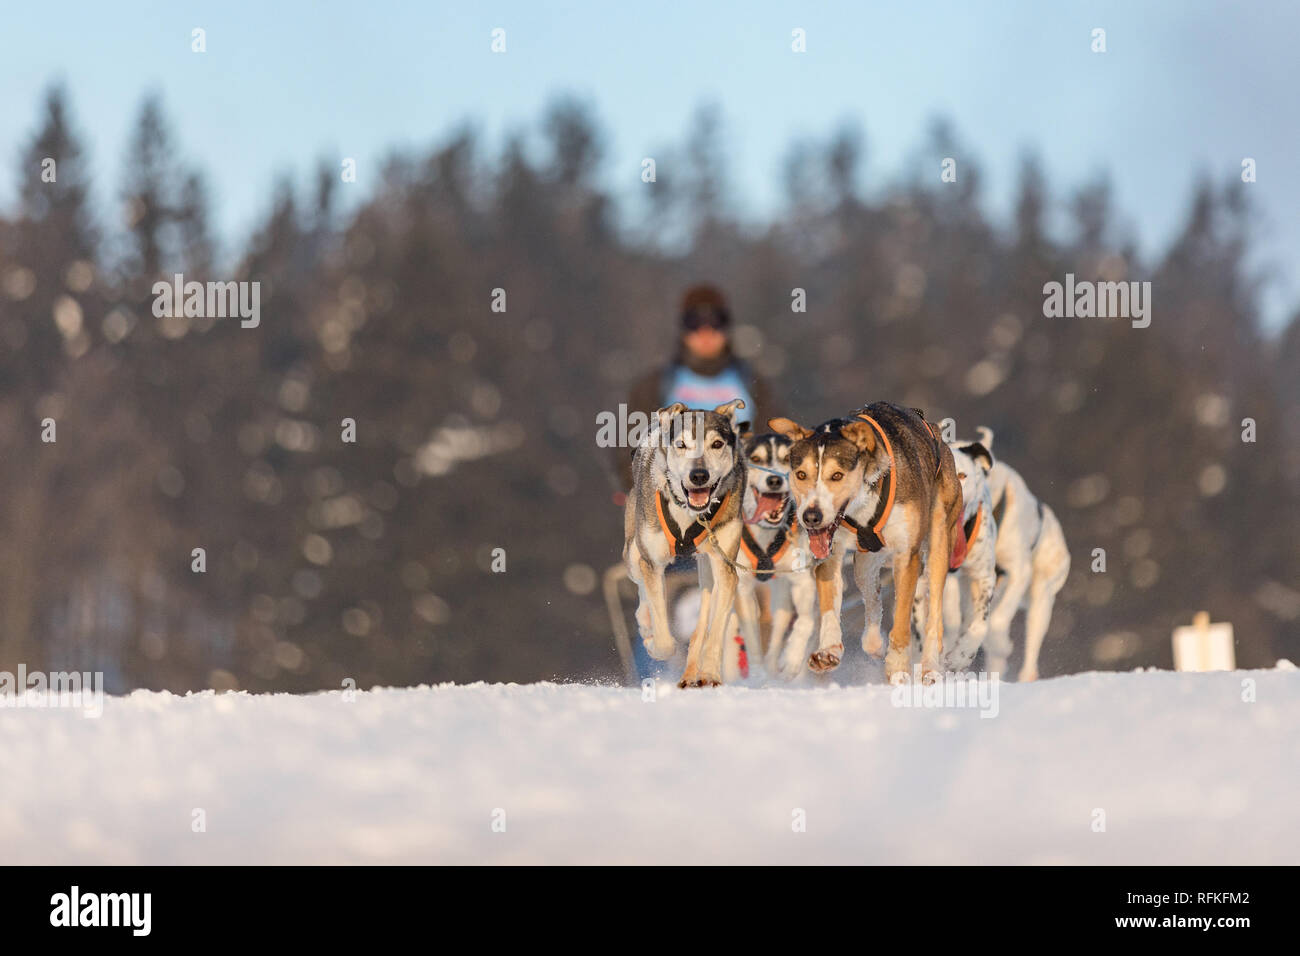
[[1185, 87]]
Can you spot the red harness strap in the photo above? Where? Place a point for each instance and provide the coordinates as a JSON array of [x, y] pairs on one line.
[[966, 535]]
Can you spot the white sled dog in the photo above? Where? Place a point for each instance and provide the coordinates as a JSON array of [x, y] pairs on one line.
[[1032, 561], [774, 549], [687, 481]]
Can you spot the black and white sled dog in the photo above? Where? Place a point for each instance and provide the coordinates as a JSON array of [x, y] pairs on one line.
[[1030, 557], [1033, 562], [688, 479], [774, 549], [969, 588]]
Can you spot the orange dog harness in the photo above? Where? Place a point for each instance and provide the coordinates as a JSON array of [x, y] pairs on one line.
[[764, 561], [869, 536], [685, 541]]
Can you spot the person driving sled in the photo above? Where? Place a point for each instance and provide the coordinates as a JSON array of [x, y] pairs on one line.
[[705, 373]]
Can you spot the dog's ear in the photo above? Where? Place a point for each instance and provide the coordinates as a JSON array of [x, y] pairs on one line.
[[666, 415], [979, 454], [986, 438], [789, 428], [729, 410], [862, 435], [744, 433]]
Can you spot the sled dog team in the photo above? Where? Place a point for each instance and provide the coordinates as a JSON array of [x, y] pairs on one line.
[[967, 542]]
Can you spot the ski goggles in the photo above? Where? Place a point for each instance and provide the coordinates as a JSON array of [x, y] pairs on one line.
[[695, 320]]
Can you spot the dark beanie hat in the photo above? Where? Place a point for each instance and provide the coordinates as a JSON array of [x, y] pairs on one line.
[[706, 300]]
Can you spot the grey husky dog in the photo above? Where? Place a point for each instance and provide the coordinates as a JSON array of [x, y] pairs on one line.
[[688, 479], [774, 549]]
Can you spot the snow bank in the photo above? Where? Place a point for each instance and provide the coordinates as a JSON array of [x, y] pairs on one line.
[[1183, 768]]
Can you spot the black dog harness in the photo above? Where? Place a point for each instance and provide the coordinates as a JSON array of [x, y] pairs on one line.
[[868, 534], [869, 537], [764, 560]]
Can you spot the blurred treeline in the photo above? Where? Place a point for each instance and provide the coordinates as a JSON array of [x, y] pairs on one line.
[[476, 430]]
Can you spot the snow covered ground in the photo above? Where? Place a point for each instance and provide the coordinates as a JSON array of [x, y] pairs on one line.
[[1183, 769]]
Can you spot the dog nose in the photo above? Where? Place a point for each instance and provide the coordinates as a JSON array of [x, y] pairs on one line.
[[812, 518], [774, 482], [699, 476]]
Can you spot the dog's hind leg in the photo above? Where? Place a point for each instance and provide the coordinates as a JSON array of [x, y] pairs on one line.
[[1039, 615], [979, 588], [747, 617], [898, 660], [919, 605], [952, 604], [720, 605], [1051, 568], [782, 614], [733, 651], [952, 610], [1042, 598], [936, 571], [636, 574], [802, 597], [866, 574], [997, 645], [803, 594]]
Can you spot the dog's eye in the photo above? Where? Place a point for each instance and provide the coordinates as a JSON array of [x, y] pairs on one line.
[[837, 476], [719, 443], [961, 476], [801, 475], [755, 460]]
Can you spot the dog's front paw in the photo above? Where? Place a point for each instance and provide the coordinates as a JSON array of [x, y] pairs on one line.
[[684, 684], [956, 660], [898, 666], [873, 642], [826, 658], [698, 677], [659, 650]]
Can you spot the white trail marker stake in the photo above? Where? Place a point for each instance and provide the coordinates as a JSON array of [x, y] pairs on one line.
[[1204, 646]]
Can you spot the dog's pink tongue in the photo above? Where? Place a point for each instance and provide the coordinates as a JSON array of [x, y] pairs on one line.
[[820, 542], [769, 503], [698, 499]]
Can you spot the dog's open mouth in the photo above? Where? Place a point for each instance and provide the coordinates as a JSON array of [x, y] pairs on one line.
[[820, 541], [698, 498], [769, 507]]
